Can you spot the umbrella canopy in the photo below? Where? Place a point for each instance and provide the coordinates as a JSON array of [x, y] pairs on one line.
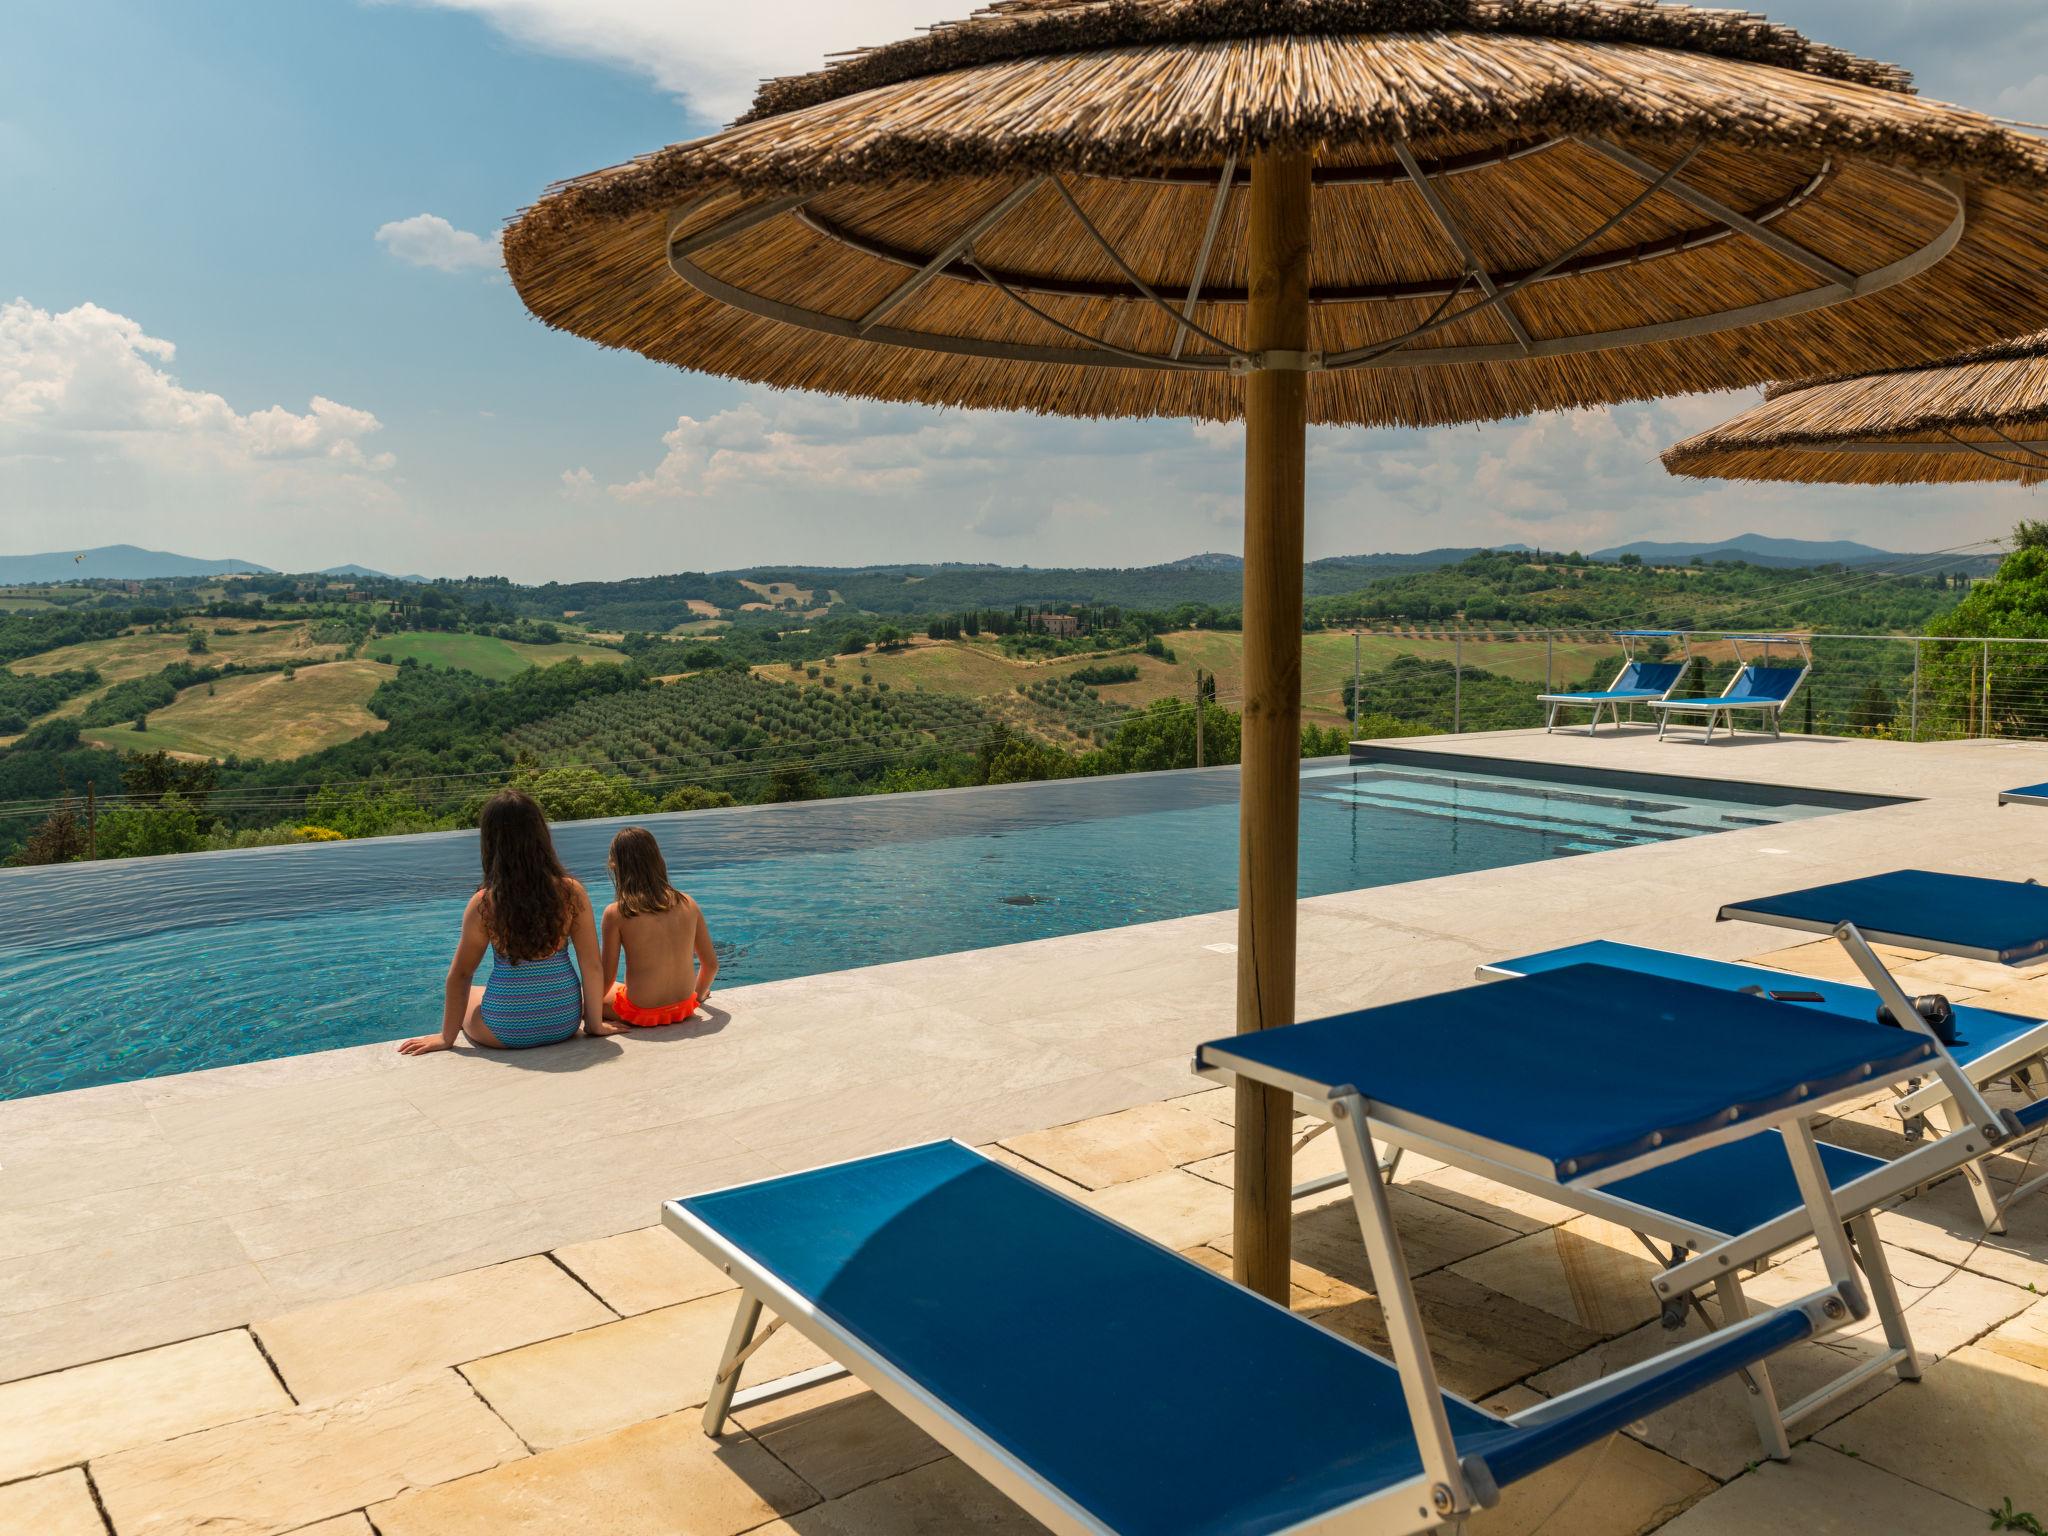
[[1342, 211], [1980, 415], [1517, 205]]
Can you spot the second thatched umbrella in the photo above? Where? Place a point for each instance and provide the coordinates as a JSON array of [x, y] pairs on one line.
[[1980, 415], [1294, 211]]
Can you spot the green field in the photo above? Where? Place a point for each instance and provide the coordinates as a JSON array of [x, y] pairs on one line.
[[485, 655], [262, 715], [979, 669]]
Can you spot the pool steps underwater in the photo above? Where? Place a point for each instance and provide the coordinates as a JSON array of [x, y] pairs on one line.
[[1547, 808]]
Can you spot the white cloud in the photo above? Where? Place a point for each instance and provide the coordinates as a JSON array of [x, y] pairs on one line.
[[799, 442], [578, 484], [712, 56], [428, 240], [95, 428]]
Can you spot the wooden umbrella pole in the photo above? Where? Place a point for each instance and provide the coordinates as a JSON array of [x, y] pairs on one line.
[[1269, 805]]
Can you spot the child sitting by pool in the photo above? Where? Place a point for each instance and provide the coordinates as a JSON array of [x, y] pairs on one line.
[[670, 962], [535, 921]]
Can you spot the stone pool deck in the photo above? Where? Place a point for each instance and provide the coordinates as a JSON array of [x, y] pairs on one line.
[[355, 1291]]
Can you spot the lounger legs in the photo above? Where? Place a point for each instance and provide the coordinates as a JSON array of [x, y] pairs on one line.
[[1763, 1397], [1973, 1172], [1884, 1295], [744, 1321]]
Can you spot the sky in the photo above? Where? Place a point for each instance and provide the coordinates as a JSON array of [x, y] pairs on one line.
[[251, 306]]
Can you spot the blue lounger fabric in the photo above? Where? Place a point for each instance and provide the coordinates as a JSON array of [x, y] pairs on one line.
[[1587, 1067], [1156, 1395], [1639, 681], [1983, 1030], [2000, 920], [1752, 688], [2026, 794], [1731, 1188]]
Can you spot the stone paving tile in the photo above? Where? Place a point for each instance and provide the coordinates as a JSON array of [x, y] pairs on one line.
[[944, 1498], [1174, 1207], [370, 1211], [1588, 1271], [113, 1322], [1308, 1289], [268, 1475], [353, 1524], [57, 1505], [839, 1436], [1481, 1340], [1322, 1156], [340, 1348], [1713, 1430], [1481, 1197], [469, 1240], [1952, 975], [55, 1225], [643, 1269], [1975, 1428], [112, 1405], [996, 1152], [1115, 1149], [342, 1171], [1826, 960], [1820, 1492], [605, 1378], [1619, 1487], [116, 1260], [2024, 1338], [1943, 1224], [2027, 997], [1327, 1239], [664, 1478]]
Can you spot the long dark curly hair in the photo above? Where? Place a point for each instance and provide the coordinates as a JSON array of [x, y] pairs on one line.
[[527, 908]]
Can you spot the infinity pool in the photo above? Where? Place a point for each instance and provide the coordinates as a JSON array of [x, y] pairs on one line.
[[144, 967]]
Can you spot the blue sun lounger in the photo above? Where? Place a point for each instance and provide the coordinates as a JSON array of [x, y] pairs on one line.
[[2027, 794], [1109, 1385], [2003, 922], [1993, 1045], [1756, 687], [1638, 682]]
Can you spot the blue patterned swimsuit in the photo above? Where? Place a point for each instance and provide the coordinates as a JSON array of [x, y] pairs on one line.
[[533, 1002]]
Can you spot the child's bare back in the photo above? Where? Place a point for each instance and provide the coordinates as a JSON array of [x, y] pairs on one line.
[[670, 960]]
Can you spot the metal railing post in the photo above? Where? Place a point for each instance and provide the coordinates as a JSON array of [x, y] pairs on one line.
[[1913, 709], [1984, 708], [1458, 684], [1549, 657]]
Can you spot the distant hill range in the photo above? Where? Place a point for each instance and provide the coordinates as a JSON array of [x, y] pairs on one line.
[[117, 562], [130, 562], [1761, 549]]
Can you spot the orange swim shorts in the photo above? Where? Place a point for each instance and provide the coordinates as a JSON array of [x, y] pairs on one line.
[[648, 1018]]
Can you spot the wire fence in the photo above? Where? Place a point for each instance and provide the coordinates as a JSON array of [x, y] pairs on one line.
[[1894, 687]]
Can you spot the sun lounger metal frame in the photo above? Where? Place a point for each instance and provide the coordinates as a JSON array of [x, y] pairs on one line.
[[1450, 1483], [1954, 1098], [1628, 686], [2020, 1056], [1723, 710], [2026, 794]]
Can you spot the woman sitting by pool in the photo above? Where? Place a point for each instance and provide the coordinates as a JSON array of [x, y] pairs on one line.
[[670, 961], [537, 924]]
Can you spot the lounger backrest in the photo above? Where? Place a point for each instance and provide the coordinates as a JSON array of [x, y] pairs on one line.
[[1765, 685], [1660, 675]]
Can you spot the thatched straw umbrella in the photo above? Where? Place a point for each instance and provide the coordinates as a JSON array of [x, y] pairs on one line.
[[1979, 415], [1357, 211]]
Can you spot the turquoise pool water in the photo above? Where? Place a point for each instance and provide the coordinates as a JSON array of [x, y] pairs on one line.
[[136, 969]]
